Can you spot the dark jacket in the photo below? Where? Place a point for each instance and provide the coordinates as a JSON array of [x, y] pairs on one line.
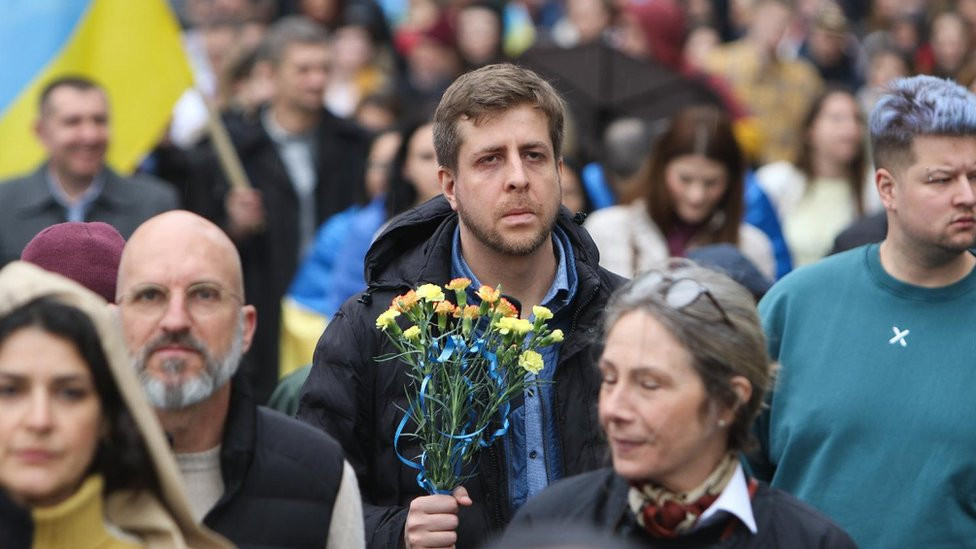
[[27, 207], [270, 258], [599, 499], [16, 526], [356, 399], [866, 230], [281, 478]]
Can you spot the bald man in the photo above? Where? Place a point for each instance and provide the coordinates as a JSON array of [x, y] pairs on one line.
[[256, 476]]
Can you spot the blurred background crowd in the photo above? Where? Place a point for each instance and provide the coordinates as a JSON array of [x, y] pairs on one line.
[[692, 123]]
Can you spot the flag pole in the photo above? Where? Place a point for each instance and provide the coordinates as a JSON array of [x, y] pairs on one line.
[[230, 162]]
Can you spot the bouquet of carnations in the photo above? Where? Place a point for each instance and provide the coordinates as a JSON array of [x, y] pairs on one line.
[[466, 363]]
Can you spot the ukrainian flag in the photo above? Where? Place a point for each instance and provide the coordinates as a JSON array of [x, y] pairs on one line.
[[131, 47]]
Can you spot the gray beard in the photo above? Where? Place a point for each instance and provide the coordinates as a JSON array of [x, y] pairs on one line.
[[216, 372]]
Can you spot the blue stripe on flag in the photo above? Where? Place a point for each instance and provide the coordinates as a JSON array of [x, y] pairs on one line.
[[32, 32]]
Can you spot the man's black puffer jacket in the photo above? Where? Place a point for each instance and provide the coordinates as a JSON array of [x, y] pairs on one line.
[[356, 399]]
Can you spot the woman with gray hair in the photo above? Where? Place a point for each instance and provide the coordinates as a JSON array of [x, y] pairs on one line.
[[684, 372]]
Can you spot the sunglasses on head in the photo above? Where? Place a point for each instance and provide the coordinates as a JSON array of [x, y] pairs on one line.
[[679, 293]]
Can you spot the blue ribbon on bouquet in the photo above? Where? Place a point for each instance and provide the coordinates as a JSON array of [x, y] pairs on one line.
[[455, 344]]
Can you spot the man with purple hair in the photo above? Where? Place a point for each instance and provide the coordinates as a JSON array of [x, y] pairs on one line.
[[872, 417]]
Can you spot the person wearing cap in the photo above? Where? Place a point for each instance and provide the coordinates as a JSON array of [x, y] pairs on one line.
[[74, 183], [83, 461], [88, 253], [871, 421]]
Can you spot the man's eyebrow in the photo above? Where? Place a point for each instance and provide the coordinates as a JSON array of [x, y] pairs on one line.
[[501, 148], [488, 149], [949, 170]]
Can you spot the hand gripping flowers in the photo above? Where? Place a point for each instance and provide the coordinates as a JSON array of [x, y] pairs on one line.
[[466, 364]]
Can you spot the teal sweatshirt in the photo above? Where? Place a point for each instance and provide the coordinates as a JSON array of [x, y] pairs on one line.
[[873, 417]]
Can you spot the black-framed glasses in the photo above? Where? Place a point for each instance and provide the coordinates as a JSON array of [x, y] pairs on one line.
[[679, 293]]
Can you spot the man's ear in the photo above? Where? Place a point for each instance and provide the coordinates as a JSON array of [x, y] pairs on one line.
[[39, 130], [446, 178], [885, 182], [250, 323]]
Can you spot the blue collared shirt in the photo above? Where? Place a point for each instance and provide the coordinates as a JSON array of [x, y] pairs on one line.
[[78, 209], [531, 445]]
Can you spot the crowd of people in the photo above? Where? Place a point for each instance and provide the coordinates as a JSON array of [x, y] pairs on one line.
[[365, 148]]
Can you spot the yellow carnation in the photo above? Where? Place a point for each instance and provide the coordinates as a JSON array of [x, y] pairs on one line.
[[387, 318], [541, 313], [458, 284], [412, 333], [556, 336], [517, 326], [430, 293], [531, 362]]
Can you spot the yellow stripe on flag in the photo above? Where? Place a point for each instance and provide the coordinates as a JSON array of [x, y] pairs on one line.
[[132, 48]]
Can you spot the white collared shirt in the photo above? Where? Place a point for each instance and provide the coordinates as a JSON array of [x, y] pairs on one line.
[[734, 500]]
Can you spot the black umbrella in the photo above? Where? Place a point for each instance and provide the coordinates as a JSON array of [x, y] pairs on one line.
[[601, 84]]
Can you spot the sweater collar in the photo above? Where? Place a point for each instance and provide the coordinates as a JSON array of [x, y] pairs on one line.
[[76, 521]]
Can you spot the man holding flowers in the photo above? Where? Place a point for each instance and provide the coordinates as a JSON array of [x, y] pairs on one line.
[[498, 134]]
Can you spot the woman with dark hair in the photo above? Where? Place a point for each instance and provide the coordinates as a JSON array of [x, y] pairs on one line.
[[333, 271], [828, 187], [684, 371], [413, 175], [83, 462], [692, 197]]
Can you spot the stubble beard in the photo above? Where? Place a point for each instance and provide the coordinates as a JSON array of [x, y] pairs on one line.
[[216, 371], [943, 245], [495, 241]]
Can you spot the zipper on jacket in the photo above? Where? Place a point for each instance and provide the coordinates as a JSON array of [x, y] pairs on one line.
[[555, 389], [577, 312], [499, 521]]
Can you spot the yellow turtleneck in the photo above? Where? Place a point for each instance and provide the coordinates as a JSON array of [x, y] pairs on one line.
[[77, 522]]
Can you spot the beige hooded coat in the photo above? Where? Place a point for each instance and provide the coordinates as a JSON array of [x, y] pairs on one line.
[[166, 524]]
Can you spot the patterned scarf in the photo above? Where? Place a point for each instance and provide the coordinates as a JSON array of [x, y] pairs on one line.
[[665, 514]]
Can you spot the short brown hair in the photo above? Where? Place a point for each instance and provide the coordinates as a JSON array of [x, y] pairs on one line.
[[707, 131], [486, 92], [288, 31]]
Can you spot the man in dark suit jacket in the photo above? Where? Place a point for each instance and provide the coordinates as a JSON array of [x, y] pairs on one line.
[[304, 164], [74, 184]]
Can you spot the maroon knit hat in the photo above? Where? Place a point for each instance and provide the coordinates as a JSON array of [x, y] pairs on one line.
[[88, 253]]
